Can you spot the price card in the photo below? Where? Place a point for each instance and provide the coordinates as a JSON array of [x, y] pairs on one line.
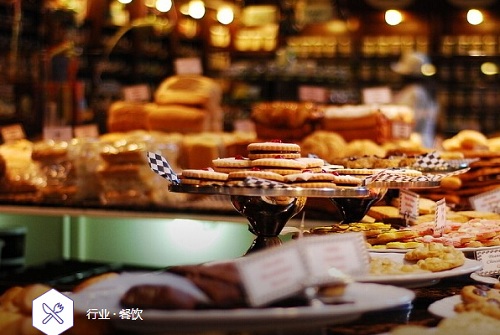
[[490, 259], [13, 132], [188, 66], [408, 204], [330, 258], [377, 95], [87, 131], [440, 216], [137, 93], [487, 201], [401, 130], [272, 274], [313, 94], [62, 133]]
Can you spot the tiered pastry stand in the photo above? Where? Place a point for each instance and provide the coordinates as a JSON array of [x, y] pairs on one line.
[[269, 209]]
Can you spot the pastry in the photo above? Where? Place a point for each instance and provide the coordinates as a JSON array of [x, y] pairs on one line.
[[273, 149]]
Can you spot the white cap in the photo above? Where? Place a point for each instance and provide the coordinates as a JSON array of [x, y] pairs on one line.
[[411, 63]]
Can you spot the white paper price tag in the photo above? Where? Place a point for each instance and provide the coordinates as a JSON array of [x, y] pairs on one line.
[[487, 201], [326, 255], [13, 132], [313, 94], [63, 133], [272, 274], [408, 204], [138, 93], [377, 95], [440, 216], [188, 66], [401, 130], [86, 131], [491, 261]]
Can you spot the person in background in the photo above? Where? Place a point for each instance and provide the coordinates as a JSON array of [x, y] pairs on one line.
[[418, 92]]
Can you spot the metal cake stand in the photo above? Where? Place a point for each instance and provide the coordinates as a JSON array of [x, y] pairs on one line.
[[269, 209]]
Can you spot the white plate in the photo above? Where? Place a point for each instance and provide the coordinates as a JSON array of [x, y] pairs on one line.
[[445, 308], [418, 279], [363, 297], [484, 279]]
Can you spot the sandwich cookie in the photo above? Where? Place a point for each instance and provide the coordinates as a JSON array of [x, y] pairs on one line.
[[203, 177], [310, 179], [236, 178], [273, 149], [231, 164], [313, 164], [283, 166]]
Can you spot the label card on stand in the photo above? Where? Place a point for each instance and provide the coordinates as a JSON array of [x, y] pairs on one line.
[[276, 273], [13, 132], [377, 95], [313, 93], [330, 258], [486, 201], [440, 216], [491, 261], [272, 274], [408, 204], [62, 133], [136, 93], [188, 66], [86, 131]]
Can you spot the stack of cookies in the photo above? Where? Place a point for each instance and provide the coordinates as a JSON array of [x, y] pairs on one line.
[[483, 176]]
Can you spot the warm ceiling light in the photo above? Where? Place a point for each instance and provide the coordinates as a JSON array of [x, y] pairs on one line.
[[163, 5], [196, 9], [489, 68], [393, 17], [475, 16], [225, 15], [125, 1]]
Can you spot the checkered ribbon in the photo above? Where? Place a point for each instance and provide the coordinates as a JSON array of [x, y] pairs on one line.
[[160, 166], [391, 176], [431, 160], [261, 183]]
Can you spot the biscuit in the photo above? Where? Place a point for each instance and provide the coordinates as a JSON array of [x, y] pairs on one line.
[[230, 164], [480, 298], [273, 149], [436, 257], [202, 177], [234, 178], [279, 165], [311, 179]]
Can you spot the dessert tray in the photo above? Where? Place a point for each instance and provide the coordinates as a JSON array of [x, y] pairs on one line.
[[418, 279], [359, 298]]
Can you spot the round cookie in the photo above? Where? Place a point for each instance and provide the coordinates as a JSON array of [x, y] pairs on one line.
[[230, 164], [273, 149], [280, 165], [311, 179], [236, 177], [202, 177], [312, 163]]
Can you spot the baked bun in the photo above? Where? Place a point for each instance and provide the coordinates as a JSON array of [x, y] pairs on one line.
[[176, 118], [191, 90], [125, 116], [285, 120]]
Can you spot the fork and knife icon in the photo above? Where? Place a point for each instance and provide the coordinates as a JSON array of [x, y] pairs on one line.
[[52, 313]]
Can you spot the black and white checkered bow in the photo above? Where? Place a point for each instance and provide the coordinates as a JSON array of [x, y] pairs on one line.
[[159, 165], [431, 160], [262, 183]]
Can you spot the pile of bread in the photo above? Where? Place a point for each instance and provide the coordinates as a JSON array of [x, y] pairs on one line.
[[293, 121], [182, 104], [484, 173]]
